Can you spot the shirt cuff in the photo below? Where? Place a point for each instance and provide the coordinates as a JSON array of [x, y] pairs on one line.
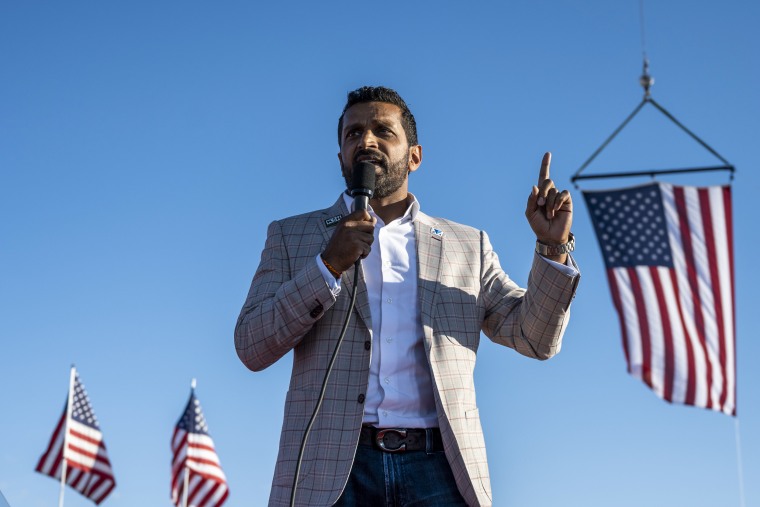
[[330, 280], [567, 269]]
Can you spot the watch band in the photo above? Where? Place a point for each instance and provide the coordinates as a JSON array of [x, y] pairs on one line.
[[551, 250]]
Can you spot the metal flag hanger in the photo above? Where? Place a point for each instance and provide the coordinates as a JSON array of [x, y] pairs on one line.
[[646, 82]]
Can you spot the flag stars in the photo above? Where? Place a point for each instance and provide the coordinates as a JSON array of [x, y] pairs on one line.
[[81, 410], [193, 420], [630, 225]]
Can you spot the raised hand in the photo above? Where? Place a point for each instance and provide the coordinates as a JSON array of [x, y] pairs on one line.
[[549, 211]]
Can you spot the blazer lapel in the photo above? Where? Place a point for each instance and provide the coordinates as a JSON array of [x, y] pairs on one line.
[[430, 244], [333, 215]]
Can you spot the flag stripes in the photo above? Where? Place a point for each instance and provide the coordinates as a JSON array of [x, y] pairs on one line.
[[79, 442], [194, 455], [676, 306]]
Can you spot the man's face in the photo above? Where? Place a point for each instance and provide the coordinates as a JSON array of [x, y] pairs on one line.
[[372, 132]]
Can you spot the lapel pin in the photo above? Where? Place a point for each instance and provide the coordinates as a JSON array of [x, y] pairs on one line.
[[333, 221], [437, 233]]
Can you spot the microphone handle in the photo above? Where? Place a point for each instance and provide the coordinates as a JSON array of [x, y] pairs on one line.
[[361, 201]]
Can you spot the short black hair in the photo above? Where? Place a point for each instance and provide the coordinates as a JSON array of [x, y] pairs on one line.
[[381, 94]]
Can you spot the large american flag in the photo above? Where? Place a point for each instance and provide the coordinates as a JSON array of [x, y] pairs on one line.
[[194, 454], [78, 443], [668, 251]]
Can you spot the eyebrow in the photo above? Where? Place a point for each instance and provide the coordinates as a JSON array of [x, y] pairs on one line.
[[382, 122]]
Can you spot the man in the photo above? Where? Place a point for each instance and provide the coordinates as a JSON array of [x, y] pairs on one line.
[[399, 424]]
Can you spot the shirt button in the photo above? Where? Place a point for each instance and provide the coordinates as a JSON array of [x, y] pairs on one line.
[[387, 380], [385, 412], [389, 340], [316, 311], [367, 345], [360, 399], [389, 300]]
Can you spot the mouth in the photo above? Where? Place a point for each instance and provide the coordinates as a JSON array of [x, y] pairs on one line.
[[374, 159], [379, 166]]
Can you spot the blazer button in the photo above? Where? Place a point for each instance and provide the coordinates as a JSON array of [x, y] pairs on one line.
[[367, 345], [361, 398], [316, 311]]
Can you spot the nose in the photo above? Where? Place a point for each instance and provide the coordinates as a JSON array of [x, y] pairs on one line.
[[368, 140]]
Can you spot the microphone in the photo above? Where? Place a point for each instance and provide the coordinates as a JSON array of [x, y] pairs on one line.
[[362, 184]]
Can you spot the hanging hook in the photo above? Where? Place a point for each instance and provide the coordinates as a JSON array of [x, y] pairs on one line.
[[646, 80]]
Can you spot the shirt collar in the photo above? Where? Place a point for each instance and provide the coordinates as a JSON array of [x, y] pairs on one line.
[[410, 215]]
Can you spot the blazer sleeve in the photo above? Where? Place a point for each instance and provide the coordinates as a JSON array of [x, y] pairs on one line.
[[533, 320], [284, 302]]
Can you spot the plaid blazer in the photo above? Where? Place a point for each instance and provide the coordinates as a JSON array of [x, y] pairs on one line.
[[462, 291]]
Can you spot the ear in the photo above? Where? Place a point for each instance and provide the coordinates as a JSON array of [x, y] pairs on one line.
[[415, 158]]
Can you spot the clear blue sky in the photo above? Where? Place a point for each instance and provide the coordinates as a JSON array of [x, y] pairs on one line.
[[145, 146]]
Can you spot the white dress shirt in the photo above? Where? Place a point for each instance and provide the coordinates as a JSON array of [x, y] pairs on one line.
[[400, 390]]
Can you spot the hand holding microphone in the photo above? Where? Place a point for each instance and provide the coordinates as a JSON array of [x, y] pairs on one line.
[[353, 236]]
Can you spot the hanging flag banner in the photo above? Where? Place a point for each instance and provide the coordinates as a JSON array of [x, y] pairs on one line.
[[76, 452], [668, 252], [197, 478]]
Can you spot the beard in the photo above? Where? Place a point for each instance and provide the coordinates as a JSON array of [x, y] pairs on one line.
[[392, 174]]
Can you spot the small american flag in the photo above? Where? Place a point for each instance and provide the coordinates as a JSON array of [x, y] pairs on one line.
[[195, 462], [78, 444], [668, 251]]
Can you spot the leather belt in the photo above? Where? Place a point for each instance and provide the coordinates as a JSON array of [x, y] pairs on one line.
[[401, 439]]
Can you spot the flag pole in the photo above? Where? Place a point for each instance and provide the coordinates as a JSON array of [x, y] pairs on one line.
[[739, 463], [186, 485], [187, 471], [66, 434]]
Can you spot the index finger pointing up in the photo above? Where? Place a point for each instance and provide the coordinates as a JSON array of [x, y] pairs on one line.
[[543, 174]]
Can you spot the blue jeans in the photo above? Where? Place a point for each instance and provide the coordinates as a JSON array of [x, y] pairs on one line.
[[405, 479]]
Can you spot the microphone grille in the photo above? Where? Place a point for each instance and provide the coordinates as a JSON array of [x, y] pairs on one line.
[[363, 177]]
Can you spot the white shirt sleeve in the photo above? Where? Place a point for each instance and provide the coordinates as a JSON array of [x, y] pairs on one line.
[[330, 280], [568, 268]]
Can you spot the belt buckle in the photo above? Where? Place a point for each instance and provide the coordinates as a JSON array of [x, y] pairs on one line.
[[379, 439]]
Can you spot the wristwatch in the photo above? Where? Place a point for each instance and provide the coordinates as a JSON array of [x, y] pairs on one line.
[[550, 250]]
